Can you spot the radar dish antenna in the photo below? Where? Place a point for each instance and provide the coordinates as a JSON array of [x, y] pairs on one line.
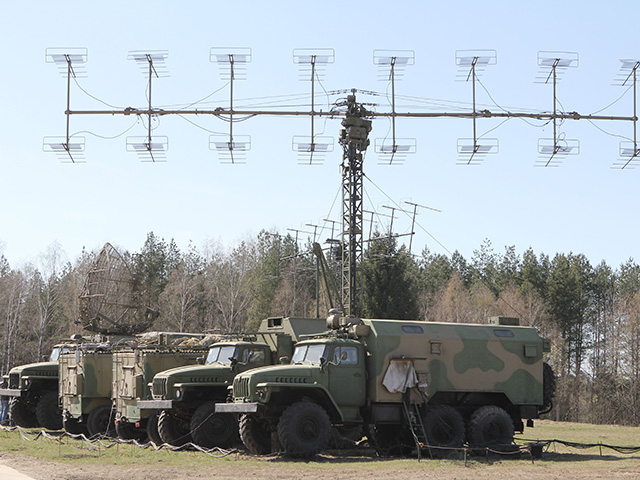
[[471, 64], [552, 67], [109, 302], [391, 66], [151, 64], [232, 63], [312, 64], [71, 64]]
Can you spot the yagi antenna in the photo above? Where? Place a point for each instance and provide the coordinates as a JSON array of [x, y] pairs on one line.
[[232, 63], [629, 151], [552, 67], [71, 64], [312, 64], [152, 65], [391, 66], [471, 64]]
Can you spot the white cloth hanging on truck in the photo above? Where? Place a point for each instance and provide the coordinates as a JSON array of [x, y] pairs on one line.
[[400, 375]]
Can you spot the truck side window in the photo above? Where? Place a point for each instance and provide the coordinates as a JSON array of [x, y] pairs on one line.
[[255, 357], [352, 355]]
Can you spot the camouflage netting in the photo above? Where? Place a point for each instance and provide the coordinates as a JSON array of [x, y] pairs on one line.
[[108, 301]]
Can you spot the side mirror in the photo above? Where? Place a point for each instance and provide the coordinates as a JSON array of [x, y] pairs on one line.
[[284, 360], [344, 357], [200, 360], [234, 361], [45, 358]]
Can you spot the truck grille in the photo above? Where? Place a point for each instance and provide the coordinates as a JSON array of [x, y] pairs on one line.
[[159, 387], [241, 387], [14, 380]]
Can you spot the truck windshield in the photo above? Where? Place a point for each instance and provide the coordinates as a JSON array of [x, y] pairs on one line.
[[56, 352], [221, 354], [309, 353]]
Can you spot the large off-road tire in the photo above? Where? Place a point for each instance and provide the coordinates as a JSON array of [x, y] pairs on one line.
[[490, 427], [22, 413], [128, 431], [304, 429], [48, 411], [548, 388], [173, 429], [210, 429], [152, 428], [74, 427], [444, 427], [392, 440], [255, 434], [100, 421]]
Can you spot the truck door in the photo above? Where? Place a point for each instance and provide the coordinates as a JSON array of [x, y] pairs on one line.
[[347, 380]]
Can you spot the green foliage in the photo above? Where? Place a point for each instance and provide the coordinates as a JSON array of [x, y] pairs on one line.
[[390, 280]]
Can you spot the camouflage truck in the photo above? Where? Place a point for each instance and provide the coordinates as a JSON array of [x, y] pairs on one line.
[[408, 383], [33, 390], [186, 396], [85, 378], [134, 369]]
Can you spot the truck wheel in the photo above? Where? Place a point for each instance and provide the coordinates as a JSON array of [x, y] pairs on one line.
[[152, 429], [22, 413], [48, 411], [255, 434], [100, 421], [304, 429], [491, 427], [173, 430], [128, 431], [210, 429], [548, 388], [444, 426], [74, 427]]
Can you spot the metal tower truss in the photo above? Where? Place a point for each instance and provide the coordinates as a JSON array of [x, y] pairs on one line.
[[391, 66], [356, 124]]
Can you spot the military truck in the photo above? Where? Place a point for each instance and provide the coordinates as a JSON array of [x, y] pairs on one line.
[[186, 396], [85, 378], [33, 390], [133, 370], [409, 383]]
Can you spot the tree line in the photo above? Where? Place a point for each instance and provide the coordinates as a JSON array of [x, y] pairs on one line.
[[590, 313]]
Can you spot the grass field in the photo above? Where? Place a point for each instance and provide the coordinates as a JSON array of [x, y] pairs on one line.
[[70, 459]]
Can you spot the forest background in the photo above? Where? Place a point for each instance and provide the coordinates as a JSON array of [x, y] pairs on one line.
[[590, 313]]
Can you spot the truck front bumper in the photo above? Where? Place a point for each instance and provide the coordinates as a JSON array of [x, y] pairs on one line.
[[155, 404], [236, 407], [11, 392]]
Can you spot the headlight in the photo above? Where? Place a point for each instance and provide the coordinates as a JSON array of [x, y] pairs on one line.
[[25, 382], [179, 392]]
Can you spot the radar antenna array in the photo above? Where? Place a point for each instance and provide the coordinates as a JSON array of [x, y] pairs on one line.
[[629, 151], [71, 64], [553, 65], [356, 122], [471, 64], [391, 66], [312, 65], [233, 65]]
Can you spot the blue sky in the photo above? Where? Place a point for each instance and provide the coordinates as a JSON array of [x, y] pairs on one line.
[[582, 206]]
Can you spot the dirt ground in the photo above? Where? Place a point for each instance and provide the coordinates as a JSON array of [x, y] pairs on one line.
[[551, 467]]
